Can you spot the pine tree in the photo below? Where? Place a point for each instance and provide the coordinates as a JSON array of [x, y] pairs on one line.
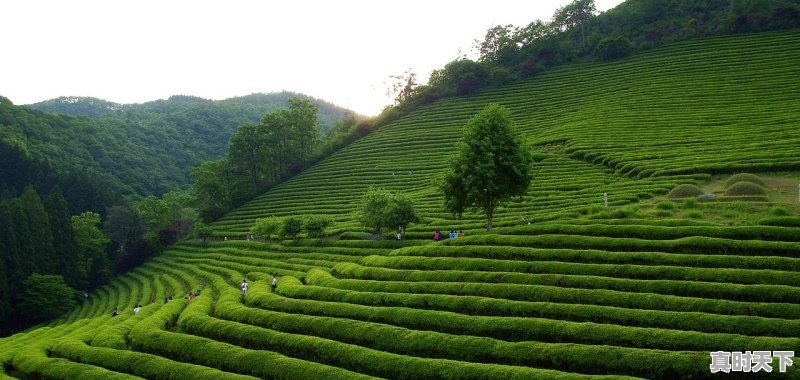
[[66, 253], [41, 243]]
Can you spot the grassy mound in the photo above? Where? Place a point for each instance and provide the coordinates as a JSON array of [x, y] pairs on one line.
[[744, 177], [745, 189], [685, 191]]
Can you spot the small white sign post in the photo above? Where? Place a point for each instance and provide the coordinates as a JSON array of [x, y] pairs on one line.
[[605, 198]]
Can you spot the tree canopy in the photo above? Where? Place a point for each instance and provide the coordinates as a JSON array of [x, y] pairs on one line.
[[490, 166]]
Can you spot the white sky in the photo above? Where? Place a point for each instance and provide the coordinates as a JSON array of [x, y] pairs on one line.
[[339, 50]]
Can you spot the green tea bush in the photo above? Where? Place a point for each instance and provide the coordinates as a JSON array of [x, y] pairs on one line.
[[745, 189], [666, 205], [595, 209], [694, 214], [779, 211], [325, 287], [624, 212], [744, 177], [685, 191], [690, 203], [785, 221], [433, 282]]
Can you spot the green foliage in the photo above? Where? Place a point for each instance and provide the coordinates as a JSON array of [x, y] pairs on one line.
[[266, 227], [779, 211], [745, 188], [491, 165], [685, 191], [595, 209], [292, 226], [315, 225], [744, 177], [203, 231], [690, 203], [91, 248], [157, 213], [380, 209], [45, 297], [694, 214], [146, 148], [41, 244], [613, 48], [666, 205]]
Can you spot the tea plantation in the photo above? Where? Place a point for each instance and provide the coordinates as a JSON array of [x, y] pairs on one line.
[[632, 290]]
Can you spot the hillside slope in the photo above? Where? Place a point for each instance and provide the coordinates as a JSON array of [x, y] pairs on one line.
[[563, 299], [631, 128]]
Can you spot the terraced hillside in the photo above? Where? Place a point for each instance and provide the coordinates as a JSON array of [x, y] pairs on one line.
[[560, 298], [632, 129]]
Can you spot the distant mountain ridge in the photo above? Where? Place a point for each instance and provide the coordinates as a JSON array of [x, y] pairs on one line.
[[87, 106], [141, 149]]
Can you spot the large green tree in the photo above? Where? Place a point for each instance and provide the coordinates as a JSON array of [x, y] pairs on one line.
[[91, 246], [490, 166], [46, 296], [381, 209]]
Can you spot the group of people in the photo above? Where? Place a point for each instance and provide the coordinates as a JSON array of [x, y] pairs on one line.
[[274, 284], [250, 237], [192, 296], [438, 235], [118, 311]]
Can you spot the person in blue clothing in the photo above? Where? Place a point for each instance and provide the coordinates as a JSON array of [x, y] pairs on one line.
[[453, 234]]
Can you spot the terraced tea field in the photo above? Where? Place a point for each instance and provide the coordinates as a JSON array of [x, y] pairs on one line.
[[564, 297]]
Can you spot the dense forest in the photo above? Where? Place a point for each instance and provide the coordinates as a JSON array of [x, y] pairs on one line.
[[139, 149]]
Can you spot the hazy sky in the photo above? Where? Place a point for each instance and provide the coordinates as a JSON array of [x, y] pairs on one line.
[[341, 51]]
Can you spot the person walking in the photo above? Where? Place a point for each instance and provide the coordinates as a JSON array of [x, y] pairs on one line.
[[274, 282], [244, 286]]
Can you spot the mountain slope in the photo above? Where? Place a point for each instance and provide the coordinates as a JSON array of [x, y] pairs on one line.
[[143, 148]]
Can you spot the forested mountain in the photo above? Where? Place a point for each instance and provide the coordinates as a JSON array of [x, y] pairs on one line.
[[132, 149]]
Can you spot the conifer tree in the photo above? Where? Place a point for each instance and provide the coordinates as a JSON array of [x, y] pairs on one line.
[[41, 242], [66, 253]]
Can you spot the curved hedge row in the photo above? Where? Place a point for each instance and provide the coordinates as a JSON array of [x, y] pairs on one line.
[[325, 287], [442, 282]]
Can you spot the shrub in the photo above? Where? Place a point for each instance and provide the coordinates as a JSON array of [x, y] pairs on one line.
[[744, 177], [785, 221], [685, 191], [745, 188], [666, 205], [663, 213], [690, 203], [594, 209], [315, 225], [266, 227], [779, 211], [694, 214], [625, 212], [292, 226]]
